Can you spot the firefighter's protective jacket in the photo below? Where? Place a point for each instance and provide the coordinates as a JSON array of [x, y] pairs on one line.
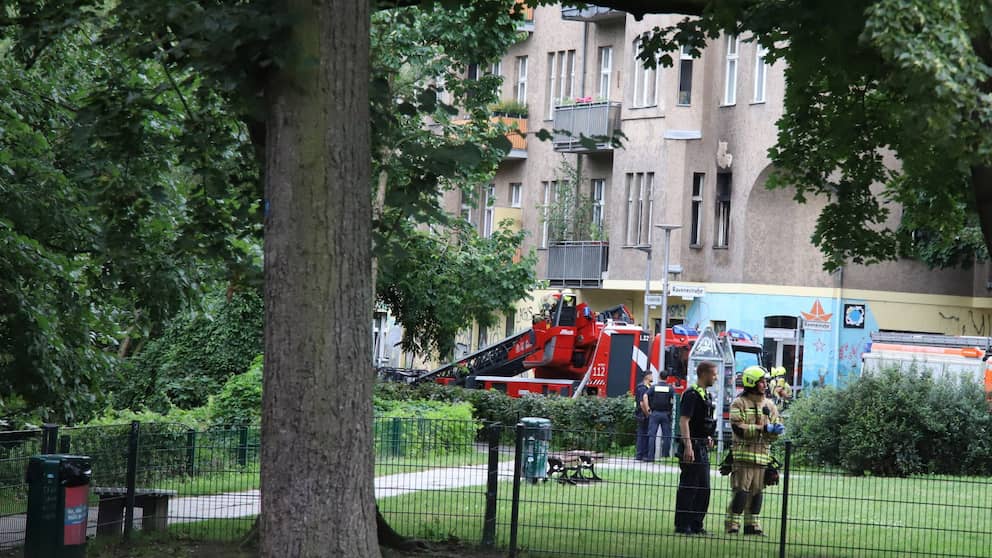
[[749, 414]]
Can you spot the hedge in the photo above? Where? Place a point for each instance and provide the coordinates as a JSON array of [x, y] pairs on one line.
[[895, 423], [583, 423]]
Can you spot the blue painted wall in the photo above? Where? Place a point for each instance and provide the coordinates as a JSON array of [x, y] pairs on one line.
[[829, 357]]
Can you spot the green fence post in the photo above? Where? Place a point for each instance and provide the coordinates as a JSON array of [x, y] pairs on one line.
[[190, 452]]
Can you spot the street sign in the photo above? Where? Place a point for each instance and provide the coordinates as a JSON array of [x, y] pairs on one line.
[[653, 299], [687, 292]]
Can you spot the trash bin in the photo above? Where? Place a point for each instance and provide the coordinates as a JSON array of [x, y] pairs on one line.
[[537, 434], [58, 490]]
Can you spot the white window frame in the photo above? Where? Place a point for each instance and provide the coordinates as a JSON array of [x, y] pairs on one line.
[[640, 207], [760, 72], [605, 71], [521, 88], [489, 211], [466, 209], [645, 82], [684, 56], [546, 186], [561, 78], [722, 226], [730, 76], [696, 211], [516, 193], [598, 187], [496, 68]]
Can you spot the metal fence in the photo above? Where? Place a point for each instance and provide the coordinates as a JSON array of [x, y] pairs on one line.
[[482, 484]]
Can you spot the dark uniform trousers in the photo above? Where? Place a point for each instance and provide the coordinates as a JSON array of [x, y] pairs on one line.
[[693, 496]]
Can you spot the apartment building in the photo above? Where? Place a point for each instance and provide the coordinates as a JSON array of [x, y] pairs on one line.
[[695, 155]]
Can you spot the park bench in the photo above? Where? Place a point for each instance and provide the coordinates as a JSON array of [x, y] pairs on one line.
[[154, 504], [570, 466]]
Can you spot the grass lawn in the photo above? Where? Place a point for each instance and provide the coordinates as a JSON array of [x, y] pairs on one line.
[[632, 515]]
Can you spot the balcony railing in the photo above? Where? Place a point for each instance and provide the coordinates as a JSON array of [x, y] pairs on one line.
[[577, 264], [585, 119], [591, 13]]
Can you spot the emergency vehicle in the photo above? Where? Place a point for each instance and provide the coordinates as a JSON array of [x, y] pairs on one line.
[[941, 355]]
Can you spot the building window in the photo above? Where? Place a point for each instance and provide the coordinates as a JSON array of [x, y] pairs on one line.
[[466, 208], [685, 76], [640, 200], [605, 70], [521, 90], [760, 69], [496, 68], [719, 326], [488, 201], [695, 236], [511, 321], [516, 190], [598, 204], [561, 76], [730, 80], [723, 190], [473, 72], [550, 196], [645, 81]]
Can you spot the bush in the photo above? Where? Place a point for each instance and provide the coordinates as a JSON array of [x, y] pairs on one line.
[[194, 357], [895, 422], [240, 400], [585, 423], [423, 428]]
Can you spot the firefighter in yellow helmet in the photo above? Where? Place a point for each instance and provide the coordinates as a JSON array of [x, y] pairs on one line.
[[756, 424], [779, 388]]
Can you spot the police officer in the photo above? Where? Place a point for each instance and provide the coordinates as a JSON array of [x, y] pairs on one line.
[[642, 410], [697, 426], [756, 424], [660, 400]]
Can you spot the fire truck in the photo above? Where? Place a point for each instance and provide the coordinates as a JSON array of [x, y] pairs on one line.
[[571, 350], [942, 355]]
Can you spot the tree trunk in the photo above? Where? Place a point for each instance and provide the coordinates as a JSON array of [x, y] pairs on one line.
[[317, 492]]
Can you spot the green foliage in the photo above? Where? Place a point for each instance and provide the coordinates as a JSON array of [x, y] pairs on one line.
[[584, 423], [569, 216], [424, 428], [437, 282], [509, 107], [895, 422], [195, 356], [240, 400]]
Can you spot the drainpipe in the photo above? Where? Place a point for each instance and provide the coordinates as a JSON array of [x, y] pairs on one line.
[[839, 312]]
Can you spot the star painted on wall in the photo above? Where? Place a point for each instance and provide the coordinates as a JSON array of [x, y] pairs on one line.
[[819, 345]]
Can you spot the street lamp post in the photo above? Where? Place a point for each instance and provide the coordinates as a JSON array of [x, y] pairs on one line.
[[664, 291], [647, 285]]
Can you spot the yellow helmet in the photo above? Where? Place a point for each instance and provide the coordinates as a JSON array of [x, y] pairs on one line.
[[752, 375], [778, 371]]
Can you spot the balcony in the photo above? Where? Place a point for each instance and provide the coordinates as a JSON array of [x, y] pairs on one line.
[[527, 25], [585, 119], [591, 13], [517, 141], [577, 264]]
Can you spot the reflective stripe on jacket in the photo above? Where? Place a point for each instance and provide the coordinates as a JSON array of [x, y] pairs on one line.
[[748, 420]]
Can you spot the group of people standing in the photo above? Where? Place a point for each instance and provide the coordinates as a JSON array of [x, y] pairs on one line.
[[755, 422]]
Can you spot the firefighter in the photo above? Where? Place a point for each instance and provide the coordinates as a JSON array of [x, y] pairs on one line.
[[756, 424], [779, 388], [642, 411], [697, 426]]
